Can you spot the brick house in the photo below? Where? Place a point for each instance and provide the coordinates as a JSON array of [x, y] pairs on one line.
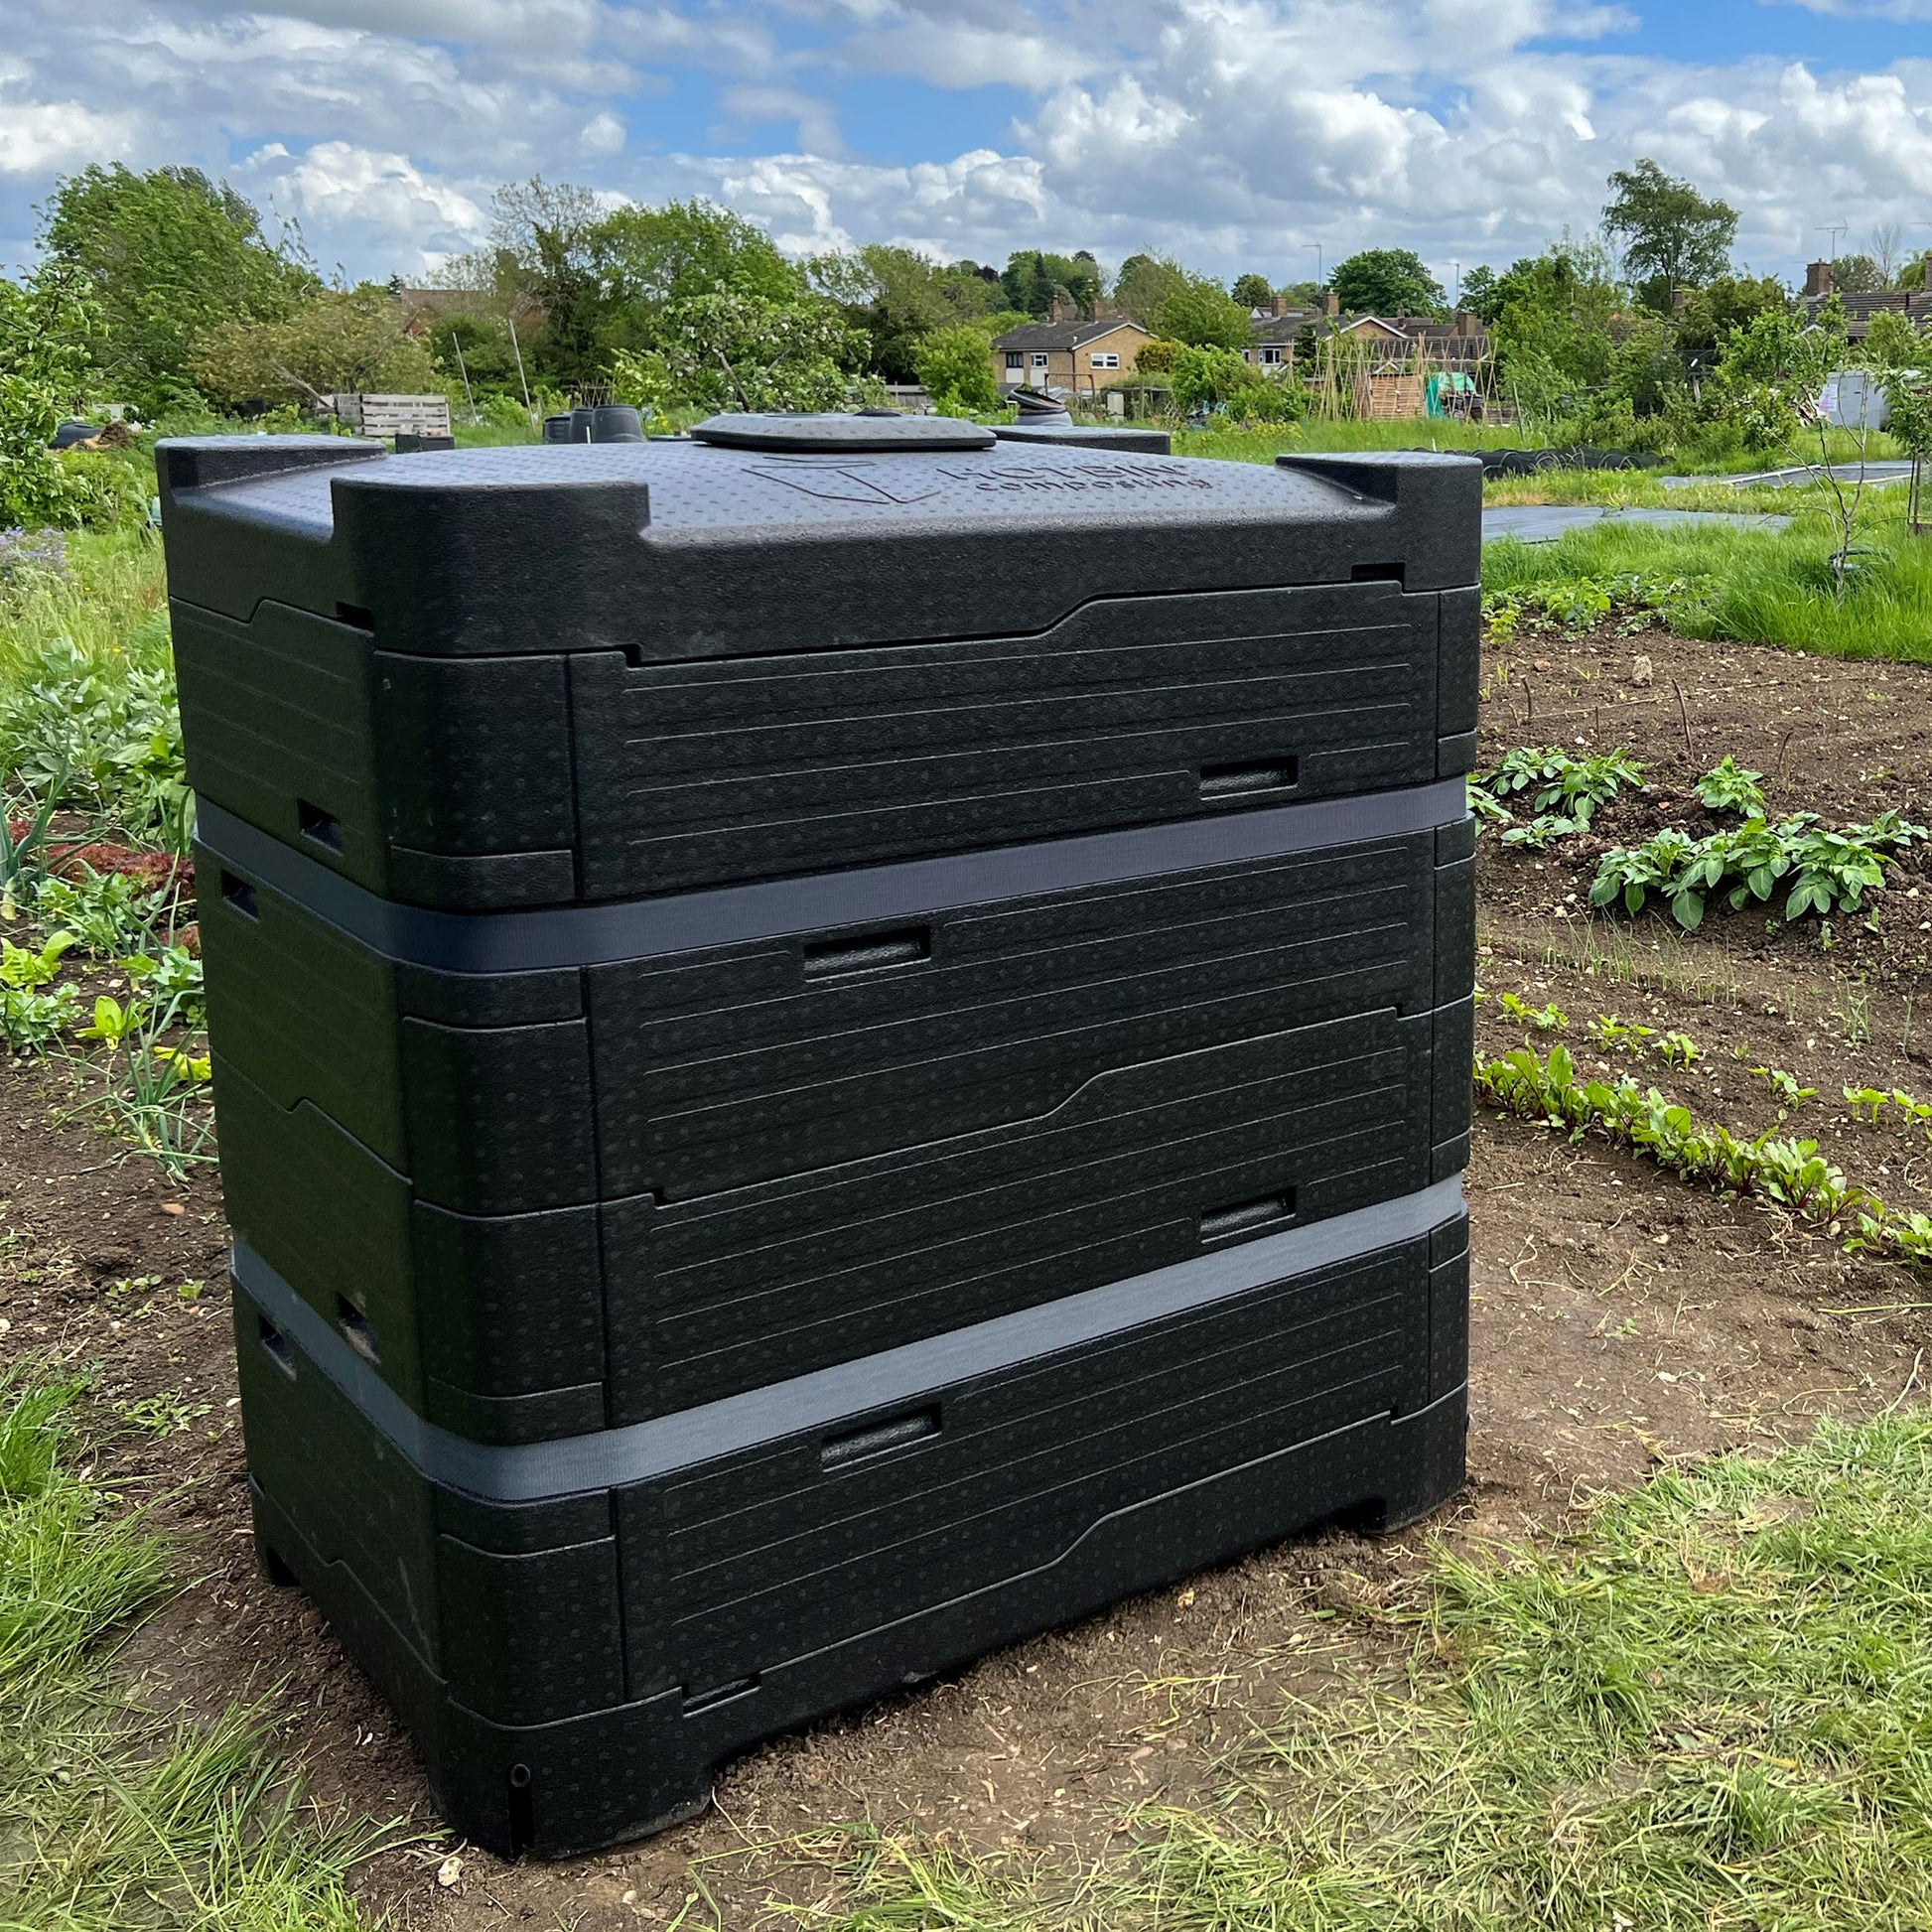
[[1462, 343], [1077, 358], [1915, 305]]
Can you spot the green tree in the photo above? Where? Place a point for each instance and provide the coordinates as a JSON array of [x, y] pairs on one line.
[[1857, 275], [1478, 292], [165, 256], [1552, 328], [1201, 313], [954, 366], [899, 297], [1033, 279], [1386, 282], [541, 234], [1713, 313], [1206, 376], [1673, 238], [642, 259], [49, 330], [732, 351], [1144, 282], [1895, 341], [1253, 291], [345, 340], [1908, 400]]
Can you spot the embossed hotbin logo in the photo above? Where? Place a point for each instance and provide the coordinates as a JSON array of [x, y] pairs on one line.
[[1062, 478], [839, 480]]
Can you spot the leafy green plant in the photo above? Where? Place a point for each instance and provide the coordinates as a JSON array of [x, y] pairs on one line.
[[1791, 1172], [1559, 784], [1543, 831], [113, 1021], [1728, 787], [155, 1090], [1636, 599], [1827, 871], [25, 969], [1783, 1087], [172, 983], [22, 853], [1545, 1019], [110, 913], [30, 1020], [102, 741], [1870, 1102], [1486, 806]]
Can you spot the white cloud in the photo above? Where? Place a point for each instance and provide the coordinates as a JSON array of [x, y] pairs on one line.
[[343, 195], [1236, 133], [39, 138], [604, 134]]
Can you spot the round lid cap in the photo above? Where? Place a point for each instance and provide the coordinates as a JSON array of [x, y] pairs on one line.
[[835, 434]]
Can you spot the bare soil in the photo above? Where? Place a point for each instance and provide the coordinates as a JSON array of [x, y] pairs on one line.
[[1621, 1319]]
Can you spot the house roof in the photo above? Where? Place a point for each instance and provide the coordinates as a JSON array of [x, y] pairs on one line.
[[1064, 334], [1913, 304]]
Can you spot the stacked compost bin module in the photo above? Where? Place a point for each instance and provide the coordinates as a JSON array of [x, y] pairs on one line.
[[834, 1043]]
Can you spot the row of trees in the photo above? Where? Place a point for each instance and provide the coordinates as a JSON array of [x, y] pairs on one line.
[[167, 290]]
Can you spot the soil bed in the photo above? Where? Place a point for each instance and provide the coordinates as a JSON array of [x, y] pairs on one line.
[[1621, 1317]]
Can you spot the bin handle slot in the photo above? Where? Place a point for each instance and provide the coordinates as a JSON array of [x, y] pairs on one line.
[[868, 952], [1247, 1216], [876, 1438], [1222, 781], [275, 1346]]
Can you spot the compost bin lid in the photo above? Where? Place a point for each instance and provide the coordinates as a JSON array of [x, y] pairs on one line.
[[836, 434]]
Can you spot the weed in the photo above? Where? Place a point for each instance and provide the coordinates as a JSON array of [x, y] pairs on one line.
[[1673, 1049], [162, 1414], [1728, 787]]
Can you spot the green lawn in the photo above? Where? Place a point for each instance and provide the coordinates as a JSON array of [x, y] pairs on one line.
[[1709, 1708], [117, 1816], [1759, 587]]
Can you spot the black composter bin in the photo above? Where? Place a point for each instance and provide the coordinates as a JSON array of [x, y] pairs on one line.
[[834, 1043]]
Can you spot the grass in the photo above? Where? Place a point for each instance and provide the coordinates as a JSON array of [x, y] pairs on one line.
[[1765, 587], [1709, 1708], [111, 607], [113, 1816], [1317, 436]]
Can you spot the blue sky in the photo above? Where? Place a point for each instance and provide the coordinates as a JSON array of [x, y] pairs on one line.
[[1234, 133]]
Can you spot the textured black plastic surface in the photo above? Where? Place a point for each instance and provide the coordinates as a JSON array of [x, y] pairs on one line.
[[559, 1197], [576, 1656], [527, 677], [1089, 436]]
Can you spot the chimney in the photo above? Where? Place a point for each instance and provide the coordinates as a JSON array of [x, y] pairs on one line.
[[1280, 303], [1330, 303], [1056, 311], [1818, 279], [1467, 323]]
